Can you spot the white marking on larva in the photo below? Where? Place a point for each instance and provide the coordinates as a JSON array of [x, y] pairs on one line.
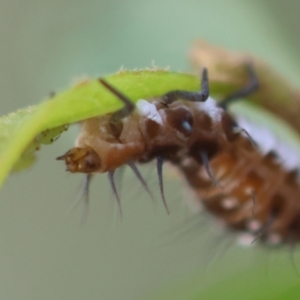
[[102, 128], [149, 111], [210, 107], [187, 126], [248, 190], [246, 240], [267, 142], [229, 203], [274, 239], [120, 146], [254, 225], [187, 161], [202, 173]]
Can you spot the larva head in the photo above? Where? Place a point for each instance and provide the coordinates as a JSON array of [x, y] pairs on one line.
[[83, 160]]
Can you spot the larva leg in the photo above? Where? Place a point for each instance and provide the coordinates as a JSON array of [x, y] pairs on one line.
[[123, 112], [190, 96], [250, 88]]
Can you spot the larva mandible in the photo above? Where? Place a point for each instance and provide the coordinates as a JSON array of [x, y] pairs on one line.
[[250, 189]]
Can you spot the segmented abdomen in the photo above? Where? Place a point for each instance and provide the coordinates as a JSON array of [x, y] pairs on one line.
[[255, 191]]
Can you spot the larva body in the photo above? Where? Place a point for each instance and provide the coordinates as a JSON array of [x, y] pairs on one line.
[[256, 192], [152, 130], [248, 189]]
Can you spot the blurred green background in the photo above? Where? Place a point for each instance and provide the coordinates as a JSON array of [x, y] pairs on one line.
[[44, 252]]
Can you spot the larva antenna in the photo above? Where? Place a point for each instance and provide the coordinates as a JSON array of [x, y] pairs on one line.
[[250, 88], [114, 189], [123, 112], [159, 166], [200, 96], [139, 176]]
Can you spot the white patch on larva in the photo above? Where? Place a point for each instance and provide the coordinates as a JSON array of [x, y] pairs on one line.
[[149, 111], [246, 240], [202, 173], [229, 203], [211, 108], [254, 225], [186, 125], [187, 161], [249, 190], [274, 239], [267, 142]]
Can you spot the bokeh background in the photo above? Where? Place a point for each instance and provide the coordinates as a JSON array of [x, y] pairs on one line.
[[44, 251]]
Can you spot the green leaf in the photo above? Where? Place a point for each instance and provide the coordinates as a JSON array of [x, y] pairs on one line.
[[22, 132]]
